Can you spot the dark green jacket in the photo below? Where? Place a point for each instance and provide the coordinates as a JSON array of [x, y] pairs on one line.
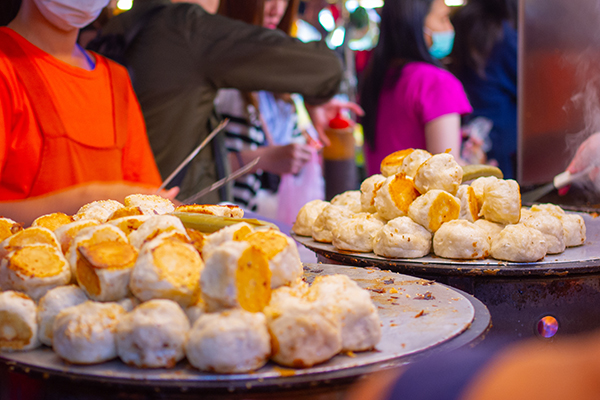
[[183, 55]]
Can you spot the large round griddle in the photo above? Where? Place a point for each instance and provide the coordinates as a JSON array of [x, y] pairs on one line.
[[418, 317], [575, 260]]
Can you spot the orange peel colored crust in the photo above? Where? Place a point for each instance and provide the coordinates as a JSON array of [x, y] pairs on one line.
[[443, 209], [253, 280], [403, 192], [36, 261]]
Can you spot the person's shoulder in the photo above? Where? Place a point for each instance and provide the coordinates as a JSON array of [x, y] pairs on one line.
[[424, 72]]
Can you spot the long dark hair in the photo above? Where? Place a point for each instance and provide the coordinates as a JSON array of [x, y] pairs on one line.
[[401, 40], [251, 11], [478, 27], [8, 11]]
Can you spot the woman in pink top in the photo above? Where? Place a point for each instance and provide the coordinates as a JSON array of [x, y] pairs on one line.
[[410, 101]]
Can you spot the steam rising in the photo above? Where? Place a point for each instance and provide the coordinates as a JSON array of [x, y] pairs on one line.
[[587, 103]]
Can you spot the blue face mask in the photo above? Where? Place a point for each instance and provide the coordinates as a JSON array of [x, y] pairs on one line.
[[442, 44]]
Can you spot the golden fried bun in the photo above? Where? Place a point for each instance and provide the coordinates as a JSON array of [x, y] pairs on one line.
[[90, 236], [85, 333], [53, 302], [575, 229], [34, 270], [306, 217], [413, 161], [18, 322], [469, 208], [229, 211], [8, 227], [357, 233], [127, 212], [303, 333], [573, 224], [327, 221], [391, 164], [167, 268], [434, 208], [99, 210], [368, 190], [479, 186], [349, 199], [66, 233], [552, 229], [52, 221], [27, 237], [130, 223], [491, 229], [236, 274], [502, 202], [395, 196], [359, 320], [153, 227], [103, 269], [525, 212], [228, 342], [519, 243], [235, 232], [461, 239], [150, 204], [441, 172], [402, 238], [153, 335], [281, 252]]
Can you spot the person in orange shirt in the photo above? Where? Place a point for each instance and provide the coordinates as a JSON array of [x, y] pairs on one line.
[[71, 129]]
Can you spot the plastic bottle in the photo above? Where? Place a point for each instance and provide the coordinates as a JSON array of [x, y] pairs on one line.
[[339, 161]]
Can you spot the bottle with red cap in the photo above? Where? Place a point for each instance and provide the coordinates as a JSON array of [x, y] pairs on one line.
[[339, 158]]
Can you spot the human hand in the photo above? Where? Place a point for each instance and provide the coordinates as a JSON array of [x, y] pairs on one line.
[[587, 155], [322, 114], [287, 159]]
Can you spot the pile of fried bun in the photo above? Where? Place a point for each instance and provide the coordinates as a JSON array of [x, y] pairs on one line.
[[131, 281], [419, 204]]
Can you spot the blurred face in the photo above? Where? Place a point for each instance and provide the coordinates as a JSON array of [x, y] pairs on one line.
[[438, 20], [273, 12]]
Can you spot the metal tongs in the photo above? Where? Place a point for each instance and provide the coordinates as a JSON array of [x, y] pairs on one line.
[[559, 181], [193, 154], [242, 171]]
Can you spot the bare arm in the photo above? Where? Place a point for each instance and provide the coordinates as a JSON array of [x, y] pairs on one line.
[[71, 199], [279, 160], [443, 133]]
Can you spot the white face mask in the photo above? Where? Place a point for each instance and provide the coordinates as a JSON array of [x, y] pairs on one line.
[[70, 14]]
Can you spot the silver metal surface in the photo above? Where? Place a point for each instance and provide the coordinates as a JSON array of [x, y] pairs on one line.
[[581, 259], [411, 324]]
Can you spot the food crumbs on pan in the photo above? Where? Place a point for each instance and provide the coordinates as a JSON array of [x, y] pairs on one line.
[[393, 324], [389, 281], [395, 304], [408, 296], [426, 296], [377, 290], [350, 354], [393, 290], [491, 271], [394, 297], [403, 345], [455, 298], [594, 215], [420, 314]]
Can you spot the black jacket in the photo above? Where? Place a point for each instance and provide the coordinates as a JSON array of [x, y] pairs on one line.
[[183, 55]]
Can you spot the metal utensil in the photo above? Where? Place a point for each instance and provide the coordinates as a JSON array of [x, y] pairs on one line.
[[242, 171], [559, 181], [193, 154]]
